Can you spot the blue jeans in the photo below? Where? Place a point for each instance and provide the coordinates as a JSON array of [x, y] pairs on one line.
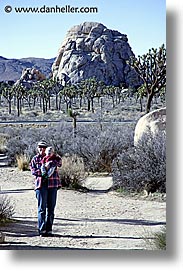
[[46, 204]]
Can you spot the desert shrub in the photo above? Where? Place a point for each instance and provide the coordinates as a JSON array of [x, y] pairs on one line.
[[72, 172], [160, 239], [23, 162], [99, 147], [15, 146], [157, 240], [23, 141], [3, 142], [142, 167], [60, 137], [6, 209]]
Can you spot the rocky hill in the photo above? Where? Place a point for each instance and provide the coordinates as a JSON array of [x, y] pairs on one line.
[[92, 50], [11, 69], [89, 50]]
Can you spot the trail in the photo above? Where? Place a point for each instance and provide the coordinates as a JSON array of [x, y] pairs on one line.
[[83, 221]]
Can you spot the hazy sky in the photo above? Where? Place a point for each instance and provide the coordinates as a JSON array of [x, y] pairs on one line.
[[40, 34]]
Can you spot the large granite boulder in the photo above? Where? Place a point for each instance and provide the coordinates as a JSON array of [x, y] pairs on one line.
[[92, 50], [153, 124], [30, 76]]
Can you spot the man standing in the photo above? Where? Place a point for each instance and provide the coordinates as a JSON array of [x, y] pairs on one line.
[[46, 191]]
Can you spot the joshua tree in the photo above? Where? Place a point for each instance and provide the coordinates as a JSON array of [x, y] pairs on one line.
[[73, 115], [19, 90], [151, 68], [89, 87], [8, 93], [43, 90]]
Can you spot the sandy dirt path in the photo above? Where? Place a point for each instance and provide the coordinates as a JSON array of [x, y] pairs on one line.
[[93, 220]]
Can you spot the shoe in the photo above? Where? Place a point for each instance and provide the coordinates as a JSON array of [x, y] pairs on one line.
[[49, 234], [43, 235]]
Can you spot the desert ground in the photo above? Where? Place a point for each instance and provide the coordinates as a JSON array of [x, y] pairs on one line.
[[83, 220]]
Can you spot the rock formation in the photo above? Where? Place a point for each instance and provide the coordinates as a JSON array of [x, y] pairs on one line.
[[153, 123], [92, 50], [30, 76], [11, 69]]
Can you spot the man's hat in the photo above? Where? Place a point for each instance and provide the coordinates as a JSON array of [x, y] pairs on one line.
[[42, 143]]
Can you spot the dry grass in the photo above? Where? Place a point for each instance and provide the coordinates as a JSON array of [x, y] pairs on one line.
[[72, 172], [23, 162], [6, 209]]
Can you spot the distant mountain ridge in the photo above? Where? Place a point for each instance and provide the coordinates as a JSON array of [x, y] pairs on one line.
[[11, 68]]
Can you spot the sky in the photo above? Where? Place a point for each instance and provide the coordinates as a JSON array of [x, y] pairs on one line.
[[41, 34]]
